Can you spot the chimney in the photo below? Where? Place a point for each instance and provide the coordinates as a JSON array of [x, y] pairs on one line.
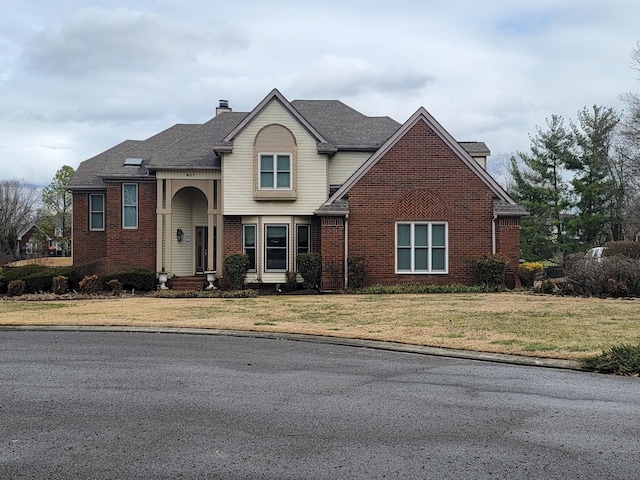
[[223, 107]]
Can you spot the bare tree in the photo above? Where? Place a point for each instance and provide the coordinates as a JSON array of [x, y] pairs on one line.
[[18, 206]]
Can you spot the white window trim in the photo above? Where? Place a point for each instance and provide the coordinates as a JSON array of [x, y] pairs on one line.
[[275, 171], [255, 247], [129, 227], [266, 239], [430, 247], [91, 212]]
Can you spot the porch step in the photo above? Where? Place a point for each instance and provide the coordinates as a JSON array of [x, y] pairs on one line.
[[189, 283]]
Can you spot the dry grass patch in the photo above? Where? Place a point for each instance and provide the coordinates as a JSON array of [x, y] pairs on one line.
[[515, 323]]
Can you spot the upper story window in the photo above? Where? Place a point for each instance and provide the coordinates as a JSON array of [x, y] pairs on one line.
[[129, 205], [275, 171], [421, 247], [275, 165], [96, 212]]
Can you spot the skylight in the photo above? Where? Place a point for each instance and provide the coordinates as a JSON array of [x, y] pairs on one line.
[[132, 162]]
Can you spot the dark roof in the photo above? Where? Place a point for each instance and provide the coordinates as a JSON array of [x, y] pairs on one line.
[[503, 208], [197, 149], [110, 164], [196, 146], [345, 127], [476, 149]]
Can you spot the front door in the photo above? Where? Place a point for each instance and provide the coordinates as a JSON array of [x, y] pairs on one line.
[[202, 240]]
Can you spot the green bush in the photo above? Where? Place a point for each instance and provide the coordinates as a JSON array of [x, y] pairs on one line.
[[90, 284], [60, 285], [357, 271], [235, 268], [16, 288], [491, 269], [310, 268], [2, 285], [39, 278], [620, 360], [529, 272], [131, 279]]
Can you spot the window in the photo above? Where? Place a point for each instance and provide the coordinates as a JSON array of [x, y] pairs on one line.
[[275, 171], [129, 205], [421, 247], [249, 245], [276, 251], [96, 212], [303, 238]]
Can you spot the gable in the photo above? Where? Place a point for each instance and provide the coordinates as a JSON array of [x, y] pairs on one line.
[[447, 143]]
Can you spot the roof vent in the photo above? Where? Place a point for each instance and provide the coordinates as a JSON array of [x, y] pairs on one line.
[[223, 106]]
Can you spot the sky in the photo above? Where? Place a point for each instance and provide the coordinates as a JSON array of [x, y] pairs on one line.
[[78, 77]]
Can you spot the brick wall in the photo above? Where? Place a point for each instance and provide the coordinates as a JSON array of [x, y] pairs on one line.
[[332, 253], [421, 179], [508, 240], [88, 247], [131, 248]]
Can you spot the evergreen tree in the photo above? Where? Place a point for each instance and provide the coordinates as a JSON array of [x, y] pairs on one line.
[[598, 213], [539, 186]]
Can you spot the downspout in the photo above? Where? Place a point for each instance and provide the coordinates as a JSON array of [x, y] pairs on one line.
[[346, 251], [493, 234]]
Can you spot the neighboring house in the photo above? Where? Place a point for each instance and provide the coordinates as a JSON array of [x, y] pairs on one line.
[[33, 242], [292, 177]]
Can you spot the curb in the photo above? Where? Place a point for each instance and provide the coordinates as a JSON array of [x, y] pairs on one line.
[[373, 344]]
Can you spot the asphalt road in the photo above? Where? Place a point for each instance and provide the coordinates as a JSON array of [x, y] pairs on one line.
[[78, 405]]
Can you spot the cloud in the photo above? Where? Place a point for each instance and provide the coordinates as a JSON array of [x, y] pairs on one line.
[[124, 42], [342, 76]]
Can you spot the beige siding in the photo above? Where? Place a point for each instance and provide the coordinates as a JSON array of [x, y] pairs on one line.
[[238, 170], [182, 252], [344, 164], [189, 210]]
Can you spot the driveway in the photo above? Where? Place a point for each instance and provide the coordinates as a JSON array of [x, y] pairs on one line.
[[82, 405]]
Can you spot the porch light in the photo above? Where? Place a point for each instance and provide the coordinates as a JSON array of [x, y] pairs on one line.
[[179, 234]]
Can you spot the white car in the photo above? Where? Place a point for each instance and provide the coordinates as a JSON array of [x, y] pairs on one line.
[[596, 253]]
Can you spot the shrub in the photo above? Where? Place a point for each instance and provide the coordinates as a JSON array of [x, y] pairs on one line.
[[16, 288], [626, 248], [115, 286], [1, 278], [247, 293], [357, 267], [235, 268], [491, 269], [309, 266], [292, 280], [60, 285], [39, 278], [90, 284], [616, 276], [529, 272], [621, 360], [131, 279]]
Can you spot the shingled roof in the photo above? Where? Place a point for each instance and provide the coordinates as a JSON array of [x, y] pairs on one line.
[[110, 164]]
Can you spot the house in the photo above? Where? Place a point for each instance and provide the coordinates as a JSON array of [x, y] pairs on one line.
[[291, 177]]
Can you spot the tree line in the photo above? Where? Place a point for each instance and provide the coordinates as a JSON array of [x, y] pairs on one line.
[[22, 205], [580, 182]]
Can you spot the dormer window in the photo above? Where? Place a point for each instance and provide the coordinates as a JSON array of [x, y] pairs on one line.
[[275, 171], [275, 174]]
